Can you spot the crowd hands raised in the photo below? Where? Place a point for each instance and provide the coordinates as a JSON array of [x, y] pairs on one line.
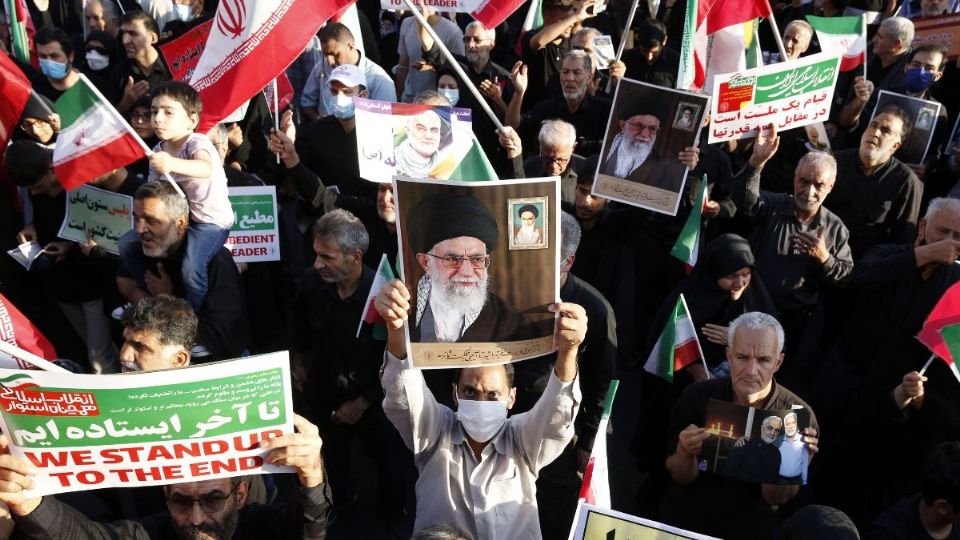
[[815, 271]]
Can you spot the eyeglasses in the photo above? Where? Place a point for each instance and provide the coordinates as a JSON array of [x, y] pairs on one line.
[[554, 159], [473, 39], [210, 504], [479, 262], [649, 128]]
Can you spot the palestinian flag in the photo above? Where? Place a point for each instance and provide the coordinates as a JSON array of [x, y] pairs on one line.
[[595, 489], [678, 346], [16, 329], [845, 35], [94, 139], [370, 315], [687, 247], [941, 330]]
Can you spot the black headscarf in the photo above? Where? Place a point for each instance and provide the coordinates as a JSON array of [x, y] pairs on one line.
[[111, 79]]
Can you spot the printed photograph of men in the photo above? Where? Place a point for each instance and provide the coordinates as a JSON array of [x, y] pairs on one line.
[[419, 139], [474, 300], [924, 126], [527, 217], [648, 128]]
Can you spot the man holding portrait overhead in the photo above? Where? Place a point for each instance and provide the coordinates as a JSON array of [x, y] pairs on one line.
[[453, 237], [634, 155]]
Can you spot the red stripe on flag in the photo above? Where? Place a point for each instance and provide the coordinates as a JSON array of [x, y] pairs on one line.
[[684, 355], [587, 478], [372, 316], [494, 12], [848, 63], [117, 153]]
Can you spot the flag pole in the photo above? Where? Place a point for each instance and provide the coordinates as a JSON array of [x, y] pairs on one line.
[[696, 338], [623, 39], [30, 358], [925, 366], [864, 33], [126, 125], [454, 64], [776, 36], [276, 112]]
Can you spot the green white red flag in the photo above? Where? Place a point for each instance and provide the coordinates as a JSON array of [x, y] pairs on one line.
[[595, 489], [941, 330], [21, 31], [94, 139], [370, 314], [678, 346], [16, 329], [687, 246], [844, 35]]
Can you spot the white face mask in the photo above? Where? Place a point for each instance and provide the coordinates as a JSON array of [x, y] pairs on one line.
[[481, 419], [97, 61]]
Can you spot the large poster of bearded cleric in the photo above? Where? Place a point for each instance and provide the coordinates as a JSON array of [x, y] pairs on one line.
[[477, 298], [412, 140], [648, 128]]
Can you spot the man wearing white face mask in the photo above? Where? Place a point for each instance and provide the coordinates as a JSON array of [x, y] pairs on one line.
[[477, 467]]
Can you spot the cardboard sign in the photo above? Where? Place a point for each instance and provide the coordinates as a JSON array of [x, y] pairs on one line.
[[944, 30], [102, 215], [137, 429], [183, 53], [596, 523]]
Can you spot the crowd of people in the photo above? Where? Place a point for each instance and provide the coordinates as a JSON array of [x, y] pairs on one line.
[[819, 263]]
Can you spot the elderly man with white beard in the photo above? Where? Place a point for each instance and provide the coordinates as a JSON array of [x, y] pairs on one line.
[[417, 156], [633, 153]]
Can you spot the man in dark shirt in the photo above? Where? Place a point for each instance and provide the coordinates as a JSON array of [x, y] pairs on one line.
[[56, 55], [649, 61], [876, 195], [160, 217], [139, 35], [338, 368], [757, 460], [543, 48], [705, 502], [557, 141]]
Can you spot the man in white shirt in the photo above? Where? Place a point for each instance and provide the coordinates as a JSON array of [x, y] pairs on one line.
[[477, 467]]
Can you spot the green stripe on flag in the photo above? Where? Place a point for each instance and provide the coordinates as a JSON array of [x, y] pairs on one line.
[[608, 402], [688, 70], [951, 337], [836, 25], [474, 167], [690, 234], [75, 103], [668, 344]]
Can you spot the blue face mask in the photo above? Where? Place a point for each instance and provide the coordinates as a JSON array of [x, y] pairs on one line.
[[343, 107], [917, 80], [53, 69], [183, 12]]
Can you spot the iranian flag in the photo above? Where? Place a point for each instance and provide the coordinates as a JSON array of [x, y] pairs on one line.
[[370, 315], [714, 34], [678, 346], [687, 247], [595, 489], [473, 165], [94, 139], [941, 330], [21, 31], [845, 35], [492, 13], [250, 44], [18, 331]]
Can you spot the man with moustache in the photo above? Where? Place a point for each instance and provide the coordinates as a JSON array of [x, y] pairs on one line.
[[757, 459], [633, 153], [793, 453], [418, 155]]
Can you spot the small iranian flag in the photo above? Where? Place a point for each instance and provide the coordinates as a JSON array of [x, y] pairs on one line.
[[687, 247], [94, 139], [941, 330], [595, 489], [21, 31], [678, 346], [473, 165], [845, 35], [16, 329], [370, 315]]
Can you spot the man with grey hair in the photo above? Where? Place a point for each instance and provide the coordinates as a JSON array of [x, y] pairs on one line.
[[800, 247], [160, 219], [337, 368], [558, 141], [704, 502], [101, 15], [796, 38]]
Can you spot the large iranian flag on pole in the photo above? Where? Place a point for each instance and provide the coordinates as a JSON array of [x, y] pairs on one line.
[[595, 489], [370, 314], [678, 346], [250, 43], [94, 139], [845, 35]]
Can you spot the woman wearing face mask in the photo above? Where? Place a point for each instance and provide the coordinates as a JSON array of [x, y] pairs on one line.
[[722, 286], [448, 88], [101, 64]]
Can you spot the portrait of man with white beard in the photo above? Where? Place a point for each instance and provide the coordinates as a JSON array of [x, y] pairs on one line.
[[453, 237], [633, 153]]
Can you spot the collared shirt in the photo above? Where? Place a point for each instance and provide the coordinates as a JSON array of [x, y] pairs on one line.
[[493, 497], [157, 73], [878, 209], [316, 89], [793, 279]]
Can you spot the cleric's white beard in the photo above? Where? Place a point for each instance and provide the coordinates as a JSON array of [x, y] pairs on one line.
[[636, 147], [456, 296]]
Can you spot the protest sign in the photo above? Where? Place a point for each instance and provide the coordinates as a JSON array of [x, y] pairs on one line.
[[923, 115], [788, 95], [603, 51], [756, 445], [648, 127], [596, 523], [181, 425], [182, 54], [102, 215], [417, 141], [480, 280], [255, 235], [449, 6], [944, 30]]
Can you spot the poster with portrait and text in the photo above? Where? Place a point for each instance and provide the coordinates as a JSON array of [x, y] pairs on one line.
[[639, 161], [596, 523], [788, 95], [147, 428], [481, 263], [923, 115]]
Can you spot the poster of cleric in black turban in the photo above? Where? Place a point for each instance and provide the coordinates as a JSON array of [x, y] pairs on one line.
[[648, 128], [474, 300]]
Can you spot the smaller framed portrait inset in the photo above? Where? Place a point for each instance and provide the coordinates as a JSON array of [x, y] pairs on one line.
[[686, 116], [526, 219]]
